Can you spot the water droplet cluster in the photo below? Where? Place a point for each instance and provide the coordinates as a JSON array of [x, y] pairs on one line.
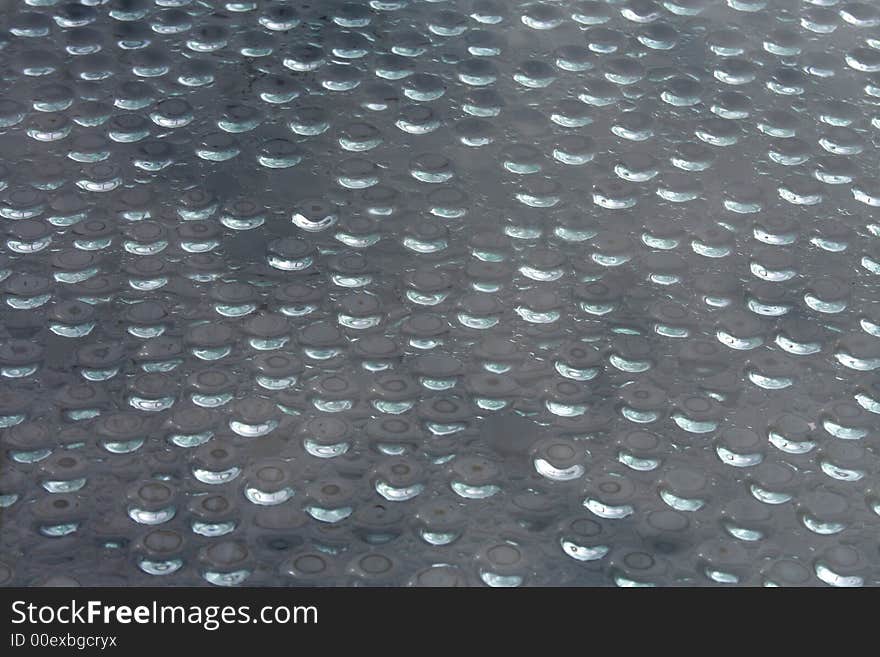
[[463, 292]]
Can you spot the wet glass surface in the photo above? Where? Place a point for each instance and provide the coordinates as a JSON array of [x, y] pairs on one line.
[[464, 292]]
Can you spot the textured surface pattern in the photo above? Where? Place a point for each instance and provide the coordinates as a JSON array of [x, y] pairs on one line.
[[477, 292]]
